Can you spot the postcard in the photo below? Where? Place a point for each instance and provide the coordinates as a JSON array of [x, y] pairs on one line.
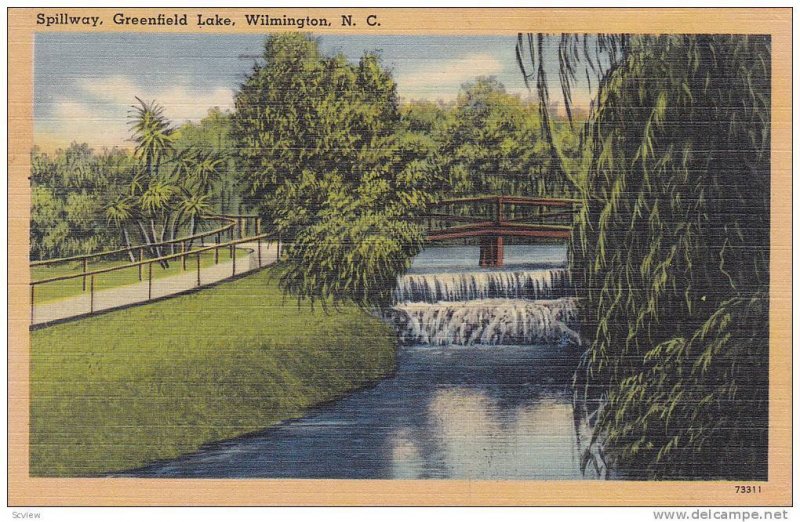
[[270, 256]]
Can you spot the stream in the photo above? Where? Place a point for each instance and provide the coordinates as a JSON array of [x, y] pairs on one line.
[[482, 388]]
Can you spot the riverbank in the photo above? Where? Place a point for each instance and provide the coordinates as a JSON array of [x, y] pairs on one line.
[[481, 412], [123, 389]]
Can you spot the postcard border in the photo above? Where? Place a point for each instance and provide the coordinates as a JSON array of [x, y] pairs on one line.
[[777, 490]]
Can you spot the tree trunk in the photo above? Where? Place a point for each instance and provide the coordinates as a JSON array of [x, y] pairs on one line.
[[128, 243], [174, 229], [172, 235], [155, 251], [192, 230]]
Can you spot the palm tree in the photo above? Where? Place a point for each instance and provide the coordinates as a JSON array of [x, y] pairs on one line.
[[156, 203], [120, 214], [152, 134], [194, 206], [207, 170]]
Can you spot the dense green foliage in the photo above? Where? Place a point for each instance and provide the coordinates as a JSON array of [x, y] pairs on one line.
[[342, 172], [671, 258], [323, 152], [492, 143], [68, 192], [120, 390], [85, 201], [211, 137]]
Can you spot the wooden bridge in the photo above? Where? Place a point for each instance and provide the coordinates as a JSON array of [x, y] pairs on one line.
[[493, 218]]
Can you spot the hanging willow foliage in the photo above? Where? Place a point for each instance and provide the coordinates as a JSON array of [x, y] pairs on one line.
[[671, 251]]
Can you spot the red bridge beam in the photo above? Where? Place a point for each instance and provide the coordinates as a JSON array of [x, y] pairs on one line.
[[491, 251], [505, 230], [492, 231], [513, 200]]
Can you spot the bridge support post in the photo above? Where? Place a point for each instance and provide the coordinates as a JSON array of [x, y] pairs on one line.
[[491, 251]]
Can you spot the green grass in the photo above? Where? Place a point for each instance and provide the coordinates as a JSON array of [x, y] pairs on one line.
[[57, 290], [117, 391]]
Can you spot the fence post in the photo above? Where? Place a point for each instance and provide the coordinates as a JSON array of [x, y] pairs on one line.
[[85, 261], [150, 280], [183, 254], [32, 287], [141, 257], [198, 269], [91, 294], [233, 256], [258, 226], [259, 251]]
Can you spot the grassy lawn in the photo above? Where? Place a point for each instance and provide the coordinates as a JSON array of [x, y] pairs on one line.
[[72, 287], [117, 391]]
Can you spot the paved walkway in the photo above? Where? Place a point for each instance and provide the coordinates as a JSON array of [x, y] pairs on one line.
[[138, 293]]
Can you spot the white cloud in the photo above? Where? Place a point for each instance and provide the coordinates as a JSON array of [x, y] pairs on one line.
[[442, 79], [180, 102], [78, 121], [97, 112]]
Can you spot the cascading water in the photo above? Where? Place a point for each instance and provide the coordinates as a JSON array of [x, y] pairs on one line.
[[497, 307], [469, 286], [482, 389]]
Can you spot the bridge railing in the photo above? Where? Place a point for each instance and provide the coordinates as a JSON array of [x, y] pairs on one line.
[[512, 212]]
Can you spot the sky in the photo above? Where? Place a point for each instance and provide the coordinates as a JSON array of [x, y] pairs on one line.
[[85, 83]]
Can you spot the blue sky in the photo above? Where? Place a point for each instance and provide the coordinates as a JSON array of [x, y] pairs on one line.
[[84, 83]]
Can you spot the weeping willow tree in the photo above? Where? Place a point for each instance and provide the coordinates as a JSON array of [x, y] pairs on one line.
[[670, 252]]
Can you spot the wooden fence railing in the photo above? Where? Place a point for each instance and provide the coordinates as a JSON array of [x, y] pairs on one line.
[[233, 222]]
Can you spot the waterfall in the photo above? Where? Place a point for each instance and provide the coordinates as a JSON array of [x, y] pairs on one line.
[[487, 321], [468, 286], [485, 307]]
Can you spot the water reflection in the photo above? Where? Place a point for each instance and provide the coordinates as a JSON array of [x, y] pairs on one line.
[[437, 259], [480, 412]]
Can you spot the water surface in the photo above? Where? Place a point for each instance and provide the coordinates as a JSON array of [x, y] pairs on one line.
[[466, 404], [479, 412]]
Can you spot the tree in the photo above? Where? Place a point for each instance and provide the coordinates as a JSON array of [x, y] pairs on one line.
[[120, 214], [69, 191], [324, 156], [211, 138], [674, 275], [486, 145], [169, 187], [85, 202]]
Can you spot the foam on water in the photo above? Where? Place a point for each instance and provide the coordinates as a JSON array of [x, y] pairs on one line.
[[468, 286]]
